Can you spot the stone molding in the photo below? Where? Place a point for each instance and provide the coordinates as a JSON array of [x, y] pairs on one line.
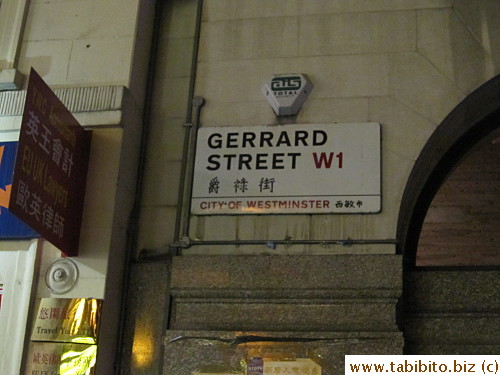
[[10, 79], [348, 293], [91, 105], [335, 273]]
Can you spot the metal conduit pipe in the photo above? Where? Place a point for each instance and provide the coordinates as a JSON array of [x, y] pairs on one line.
[[189, 148], [185, 210], [153, 255], [271, 243]]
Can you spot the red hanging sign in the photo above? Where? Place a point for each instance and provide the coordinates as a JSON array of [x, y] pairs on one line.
[[50, 173]]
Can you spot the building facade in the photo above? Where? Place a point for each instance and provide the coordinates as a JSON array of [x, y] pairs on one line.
[[185, 290]]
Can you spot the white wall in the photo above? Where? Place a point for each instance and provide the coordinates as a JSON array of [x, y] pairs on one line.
[[404, 64], [17, 268], [86, 44], [97, 221], [80, 42]]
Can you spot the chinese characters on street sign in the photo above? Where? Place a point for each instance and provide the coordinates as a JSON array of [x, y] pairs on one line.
[[328, 168], [51, 168]]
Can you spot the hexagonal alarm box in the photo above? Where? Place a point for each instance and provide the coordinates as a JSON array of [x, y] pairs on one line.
[[287, 93]]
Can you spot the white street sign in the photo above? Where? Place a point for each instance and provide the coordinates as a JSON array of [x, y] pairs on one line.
[[313, 168]]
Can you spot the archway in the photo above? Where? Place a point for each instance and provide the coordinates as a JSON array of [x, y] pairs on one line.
[[462, 224], [449, 310]]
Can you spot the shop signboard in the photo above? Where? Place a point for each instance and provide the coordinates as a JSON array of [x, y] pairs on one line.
[[64, 337], [299, 366], [267, 366], [50, 173], [290, 169], [74, 320], [52, 358], [255, 366], [10, 226]]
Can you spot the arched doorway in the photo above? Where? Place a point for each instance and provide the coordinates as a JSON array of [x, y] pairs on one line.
[[462, 224], [451, 254]]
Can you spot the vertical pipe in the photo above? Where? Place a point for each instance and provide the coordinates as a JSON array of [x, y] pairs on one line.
[[191, 129]]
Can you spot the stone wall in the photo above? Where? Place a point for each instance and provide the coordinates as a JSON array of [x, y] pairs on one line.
[[452, 312], [227, 308], [403, 64]]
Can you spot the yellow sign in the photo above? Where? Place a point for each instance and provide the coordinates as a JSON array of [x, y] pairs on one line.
[[49, 358], [67, 320]]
